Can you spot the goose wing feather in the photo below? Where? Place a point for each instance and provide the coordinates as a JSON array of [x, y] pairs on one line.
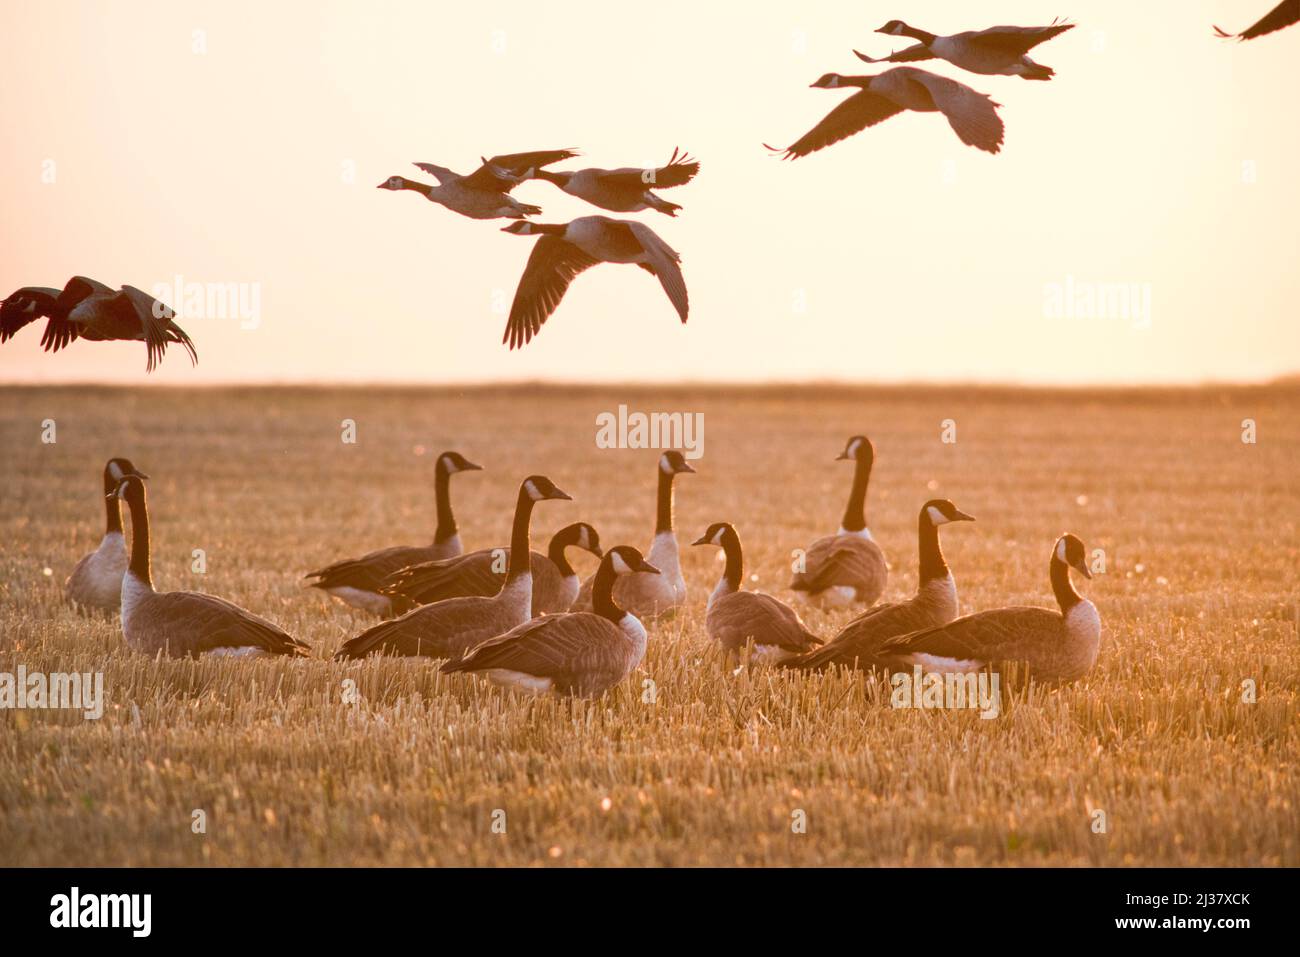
[[664, 260], [573, 649], [552, 265], [861, 110], [999, 634], [442, 630], [842, 560], [744, 615], [203, 623], [972, 115]]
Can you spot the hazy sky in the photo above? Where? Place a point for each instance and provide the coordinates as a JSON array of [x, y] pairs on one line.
[[242, 143]]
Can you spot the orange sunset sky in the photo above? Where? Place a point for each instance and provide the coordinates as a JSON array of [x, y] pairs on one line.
[[242, 143]]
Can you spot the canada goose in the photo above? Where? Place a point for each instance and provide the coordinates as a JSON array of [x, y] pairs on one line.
[[847, 567], [566, 249], [576, 653], [997, 50], [1052, 645], [973, 116], [447, 629], [96, 580], [555, 583], [650, 596], [628, 189], [484, 193], [935, 601], [183, 624], [88, 309], [1284, 14], [356, 581], [735, 617]]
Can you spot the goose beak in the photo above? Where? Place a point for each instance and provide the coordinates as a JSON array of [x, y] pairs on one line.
[[471, 467], [842, 457], [559, 495], [685, 467], [702, 540], [597, 551], [959, 516], [1083, 570], [646, 567]]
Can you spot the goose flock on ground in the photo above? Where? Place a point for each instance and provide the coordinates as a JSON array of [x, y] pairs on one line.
[[525, 620], [87, 309]]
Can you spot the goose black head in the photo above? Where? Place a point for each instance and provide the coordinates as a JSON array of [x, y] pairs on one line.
[[716, 534], [118, 469], [130, 489], [673, 462], [828, 81], [940, 511], [858, 449], [893, 28], [1069, 549], [452, 462], [541, 489], [520, 227], [394, 182], [626, 560], [581, 535]]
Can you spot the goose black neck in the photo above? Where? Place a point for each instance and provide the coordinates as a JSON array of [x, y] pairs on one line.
[[520, 556], [1062, 587], [140, 538], [855, 512], [555, 552], [602, 591], [915, 34], [558, 178], [932, 565], [664, 512], [549, 229], [442, 493], [735, 567], [112, 509], [423, 188]]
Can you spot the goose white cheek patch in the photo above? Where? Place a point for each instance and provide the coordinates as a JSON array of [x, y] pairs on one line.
[[936, 517], [621, 566], [531, 489]]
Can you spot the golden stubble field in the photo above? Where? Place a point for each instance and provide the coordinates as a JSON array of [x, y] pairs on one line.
[[1200, 595]]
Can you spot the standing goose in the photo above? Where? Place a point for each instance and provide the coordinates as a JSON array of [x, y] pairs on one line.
[[88, 309], [848, 567], [653, 595], [484, 193], [973, 116], [183, 624], [565, 250], [582, 653], [1284, 14], [96, 581], [447, 629], [997, 50], [1053, 645], [628, 189], [934, 604], [356, 581], [555, 583], [736, 617]]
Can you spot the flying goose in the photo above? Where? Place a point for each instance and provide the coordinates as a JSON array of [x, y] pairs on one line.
[[973, 116], [735, 617], [1052, 645], [1284, 14], [484, 193], [581, 653], [935, 601], [566, 249], [356, 581], [185, 624], [447, 629], [555, 583], [88, 309], [96, 580], [650, 596], [847, 567], [997, 50], [628, 189]]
